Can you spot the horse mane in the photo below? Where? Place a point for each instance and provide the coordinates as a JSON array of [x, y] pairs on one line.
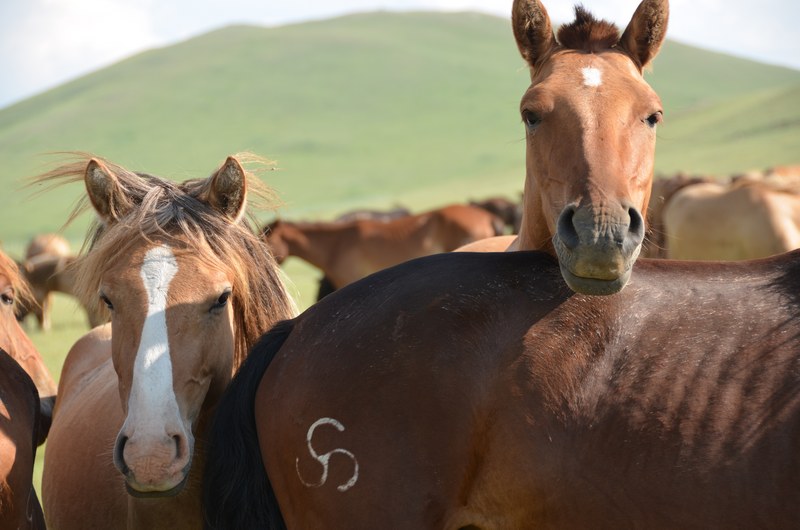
[[167, 211], [586, 33]]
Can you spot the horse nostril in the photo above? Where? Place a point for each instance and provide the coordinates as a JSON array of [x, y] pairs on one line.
[[566, 228], [636, 226], [119, 455], [178, 446]]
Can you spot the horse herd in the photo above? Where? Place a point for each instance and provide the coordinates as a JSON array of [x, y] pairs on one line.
[[562, 383]]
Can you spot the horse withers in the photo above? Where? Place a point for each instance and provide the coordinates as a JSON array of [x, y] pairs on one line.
[[189, 287]]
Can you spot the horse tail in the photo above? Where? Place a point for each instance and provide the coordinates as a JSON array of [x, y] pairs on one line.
[[236, 490]]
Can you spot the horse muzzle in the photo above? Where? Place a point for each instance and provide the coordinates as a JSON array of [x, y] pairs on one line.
[[154, 467], [596, 248]]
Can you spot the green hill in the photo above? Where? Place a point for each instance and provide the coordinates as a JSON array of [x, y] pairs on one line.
[[365, 110]]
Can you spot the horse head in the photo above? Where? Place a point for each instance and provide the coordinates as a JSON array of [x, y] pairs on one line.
[[590, 120]]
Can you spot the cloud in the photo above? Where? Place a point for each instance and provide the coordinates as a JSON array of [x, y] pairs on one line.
[[54, 40]]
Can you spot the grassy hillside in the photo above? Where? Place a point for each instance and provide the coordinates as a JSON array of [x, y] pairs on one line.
[[371, 109]]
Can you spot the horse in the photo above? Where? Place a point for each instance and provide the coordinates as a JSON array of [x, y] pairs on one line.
[[742, 220], [655, 245], [50, 244], [348, 251], [479, 391], [49, 274], [24, 417], [23, 426], [590, 120], [189, 286], [326, 287], [14, 292], [509, 212]]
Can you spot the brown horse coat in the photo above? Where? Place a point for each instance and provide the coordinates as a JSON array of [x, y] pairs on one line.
[[22, 427], [477, 391], [745, 220], [348, 251]]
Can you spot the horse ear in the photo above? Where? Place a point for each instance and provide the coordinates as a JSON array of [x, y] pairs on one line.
[[646, 31], [104, 192], [532, 30], [227, 191]]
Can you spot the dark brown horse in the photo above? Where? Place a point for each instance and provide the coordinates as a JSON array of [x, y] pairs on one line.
[[508, 211], [477, 391]]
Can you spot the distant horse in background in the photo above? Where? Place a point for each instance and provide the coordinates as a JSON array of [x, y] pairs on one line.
[[326, 287], [743, 220], [48, 244], [346, 252], [655, 245], [477, 391], [23, 426], [48, 274], [509, 212], [190, 287], [14, 291]]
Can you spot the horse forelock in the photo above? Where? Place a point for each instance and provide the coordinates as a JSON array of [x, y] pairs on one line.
[[587, 33], [170, 213]]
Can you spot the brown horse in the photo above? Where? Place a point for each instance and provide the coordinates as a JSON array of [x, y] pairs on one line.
[[49, 244], [48, 274], [743, 220], [13, 292], [24, 417], [509, 212], [23, 427], [476, 391], [655, 245], [590, 120], [189, 286], [348, 251]]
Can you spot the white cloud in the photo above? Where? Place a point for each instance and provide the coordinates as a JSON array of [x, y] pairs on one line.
[[50, 41]]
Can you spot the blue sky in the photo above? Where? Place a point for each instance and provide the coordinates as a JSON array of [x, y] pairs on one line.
[[44, 43]]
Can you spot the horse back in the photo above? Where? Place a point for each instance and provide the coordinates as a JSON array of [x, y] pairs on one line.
[[477, 389]]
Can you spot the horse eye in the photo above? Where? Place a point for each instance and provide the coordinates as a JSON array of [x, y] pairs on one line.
[[531, 119], [654, 119], [106, 301], [222, 300], [7, 298]]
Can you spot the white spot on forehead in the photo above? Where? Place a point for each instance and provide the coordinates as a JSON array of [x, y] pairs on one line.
[[152, 394], [592, 77]]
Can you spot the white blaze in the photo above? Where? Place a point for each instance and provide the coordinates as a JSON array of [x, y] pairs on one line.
[[152, 397], [592, 76]]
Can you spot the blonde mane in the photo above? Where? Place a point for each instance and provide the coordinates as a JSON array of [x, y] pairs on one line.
[[170, 212]]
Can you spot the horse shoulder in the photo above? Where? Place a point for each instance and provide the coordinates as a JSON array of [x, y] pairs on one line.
[[86, 355]]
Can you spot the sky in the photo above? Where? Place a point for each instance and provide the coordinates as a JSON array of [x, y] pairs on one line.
[[44, 43]]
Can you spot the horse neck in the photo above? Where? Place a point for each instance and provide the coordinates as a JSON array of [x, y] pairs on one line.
[[17, 344], [315, 243], [533, 232]]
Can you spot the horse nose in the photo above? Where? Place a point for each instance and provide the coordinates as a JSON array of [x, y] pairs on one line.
[[635, 234], [629, 234], [565, 227], [153, 462]]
